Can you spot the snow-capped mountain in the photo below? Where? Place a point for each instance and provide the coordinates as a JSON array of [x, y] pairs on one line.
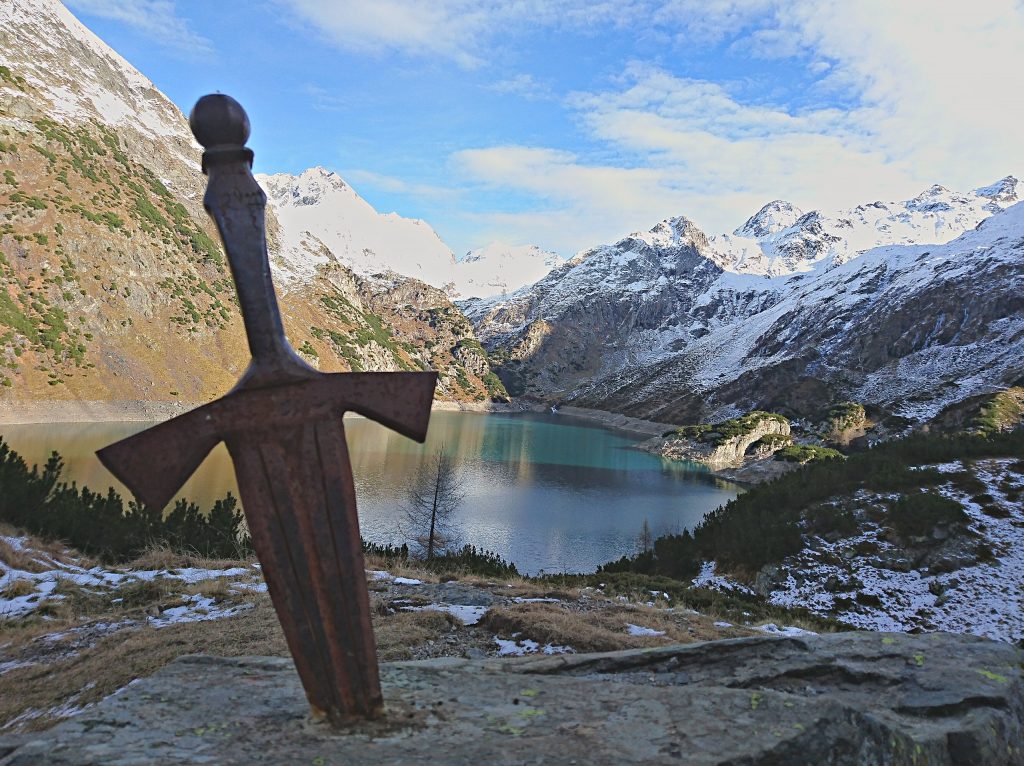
[[772, 218], [323, 218], [498, 269], [317, 209], [664, 324], [781, 239], [76, 78]]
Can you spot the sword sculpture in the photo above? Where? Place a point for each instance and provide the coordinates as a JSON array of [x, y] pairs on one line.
[[282, 423]]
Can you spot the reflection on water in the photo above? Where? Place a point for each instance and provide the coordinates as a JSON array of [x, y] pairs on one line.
[[546, 492]]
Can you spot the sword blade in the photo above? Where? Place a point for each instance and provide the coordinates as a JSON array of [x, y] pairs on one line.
[[299, 500]]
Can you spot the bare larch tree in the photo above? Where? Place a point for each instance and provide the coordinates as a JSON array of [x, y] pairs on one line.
[[431, 505]]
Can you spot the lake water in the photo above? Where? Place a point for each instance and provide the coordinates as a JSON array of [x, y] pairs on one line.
[[547, 492]]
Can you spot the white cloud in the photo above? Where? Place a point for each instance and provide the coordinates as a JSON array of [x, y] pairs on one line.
[[700, 153], [523, 85], [708, 21], [938, 82], [581, 204], [399, 185], [156, 19], [929, 90], [462, 31], [935, 94]]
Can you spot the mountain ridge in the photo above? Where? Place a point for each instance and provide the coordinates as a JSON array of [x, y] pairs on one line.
[[661, 325]]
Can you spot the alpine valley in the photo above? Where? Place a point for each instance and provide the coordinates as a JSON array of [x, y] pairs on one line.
[[862, 370], [108, 262]]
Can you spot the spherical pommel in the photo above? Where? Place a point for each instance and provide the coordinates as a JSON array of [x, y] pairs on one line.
[[219, 120]]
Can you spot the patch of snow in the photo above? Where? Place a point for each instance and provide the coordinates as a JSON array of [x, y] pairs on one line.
[[12, 664], [198, 608], [407, 581], [44, 583], [707, 578], [639, 630], [723, 624], [788, 630], [254, 587], [470, 615], [519, 648]]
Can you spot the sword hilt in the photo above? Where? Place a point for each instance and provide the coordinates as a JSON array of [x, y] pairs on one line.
[[238, 206]]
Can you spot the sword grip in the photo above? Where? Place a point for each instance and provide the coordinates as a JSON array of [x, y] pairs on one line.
[[238, 206]]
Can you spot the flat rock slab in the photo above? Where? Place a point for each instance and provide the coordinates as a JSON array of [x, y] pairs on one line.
[[849, 698]]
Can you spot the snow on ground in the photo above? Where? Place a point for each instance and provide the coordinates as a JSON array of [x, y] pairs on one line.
[[708, 579], [985, 597], [22, 591], [515, 647], [197, 608], [787, 630], [470, 615], [639, 630]]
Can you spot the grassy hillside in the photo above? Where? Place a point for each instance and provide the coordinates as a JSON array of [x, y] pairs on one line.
[[114, 286]]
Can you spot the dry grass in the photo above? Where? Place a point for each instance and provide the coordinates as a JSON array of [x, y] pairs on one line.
[[399, 569], [601, 630], [40, 690], [163, 557], [217, 588], [398, 634], [520, 587], [18, 588], [29, 560]]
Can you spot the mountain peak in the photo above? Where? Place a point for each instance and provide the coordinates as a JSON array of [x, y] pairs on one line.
[[677, 228], [770, 219], [1003, 190]]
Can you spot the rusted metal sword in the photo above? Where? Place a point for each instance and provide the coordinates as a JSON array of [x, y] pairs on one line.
[[282, 423]]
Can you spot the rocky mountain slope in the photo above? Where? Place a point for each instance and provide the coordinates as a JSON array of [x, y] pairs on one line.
[[113, 284], [791, 313]]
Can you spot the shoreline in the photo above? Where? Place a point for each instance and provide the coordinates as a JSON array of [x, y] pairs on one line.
[[122, 411]]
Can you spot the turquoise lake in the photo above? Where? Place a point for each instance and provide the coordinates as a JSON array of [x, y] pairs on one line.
[[548, 492]]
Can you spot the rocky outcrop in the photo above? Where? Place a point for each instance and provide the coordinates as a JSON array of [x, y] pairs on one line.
[[724, 447], [844, 423], [850, 698]]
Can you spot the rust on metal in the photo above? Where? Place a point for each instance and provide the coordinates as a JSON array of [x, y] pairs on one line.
[[282, 423]]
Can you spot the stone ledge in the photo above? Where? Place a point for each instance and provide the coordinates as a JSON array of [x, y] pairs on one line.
[[849, 698]]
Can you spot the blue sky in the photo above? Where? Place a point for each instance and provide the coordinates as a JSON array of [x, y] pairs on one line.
[[567, 124]]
